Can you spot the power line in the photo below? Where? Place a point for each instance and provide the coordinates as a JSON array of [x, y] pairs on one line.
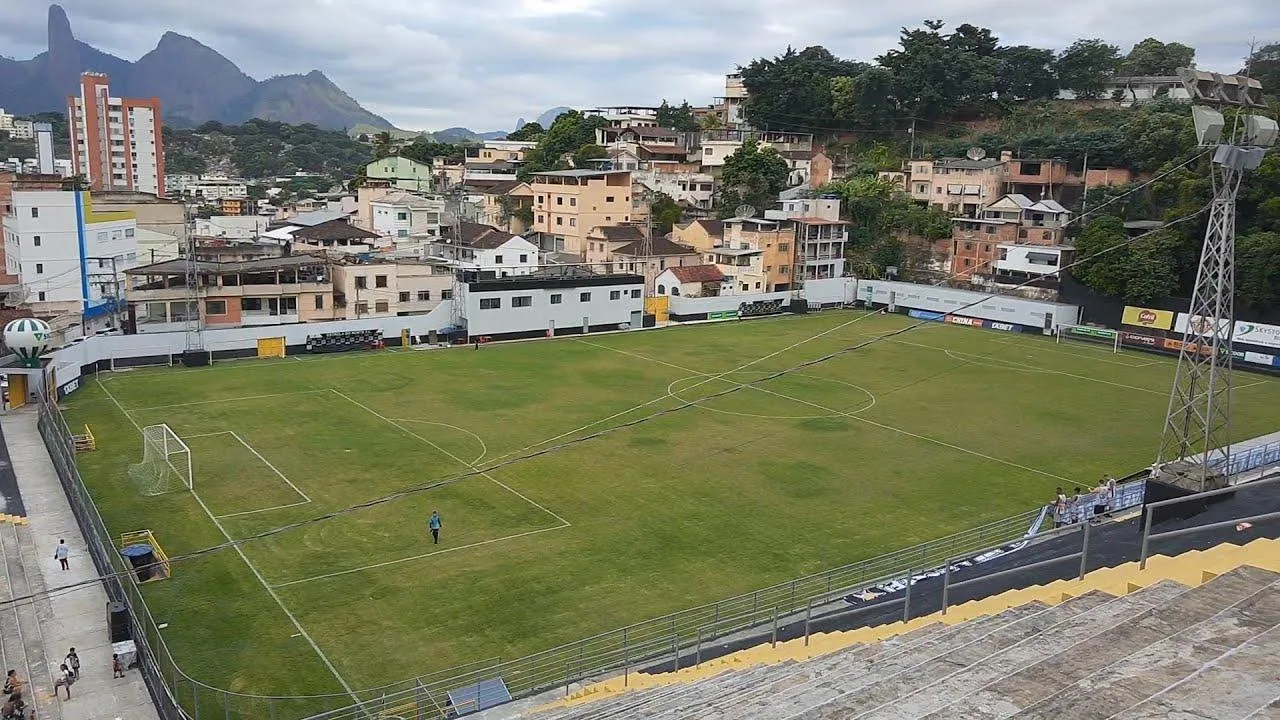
[[479, 471]]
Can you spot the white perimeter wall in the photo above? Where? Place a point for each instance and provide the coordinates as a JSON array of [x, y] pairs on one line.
[[967, 303], [570, 312], [693, 306]]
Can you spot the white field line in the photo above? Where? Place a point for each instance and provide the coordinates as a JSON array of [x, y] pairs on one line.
[[267, 462], [457, 459], [387, 563], [1017, 366], [869, 422], [1030, 344], [709, 378], [484, 449], [274, 596], [1252, 384], [226, 400]]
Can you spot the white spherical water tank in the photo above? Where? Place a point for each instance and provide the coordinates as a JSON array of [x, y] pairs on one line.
[[29, 338]]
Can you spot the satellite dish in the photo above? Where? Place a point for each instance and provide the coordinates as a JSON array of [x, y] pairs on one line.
[[744, 211], [976, 153]]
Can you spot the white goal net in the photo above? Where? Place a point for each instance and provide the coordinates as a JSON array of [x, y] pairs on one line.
[[1089, 334], [166, 462]]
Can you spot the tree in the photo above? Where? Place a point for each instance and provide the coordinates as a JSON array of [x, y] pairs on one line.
[[1086, 66], [584, 155], [793, 91], [1258, 270], [1026, 73], [1152, 57], [677, 118], [752, 175], [867, 100], [1156, 136], [383, 145], [424, 151], [711, 121], [939, 74], [1136, 271], [529, 132], [566, 136], [1264, 66], [664, 212]]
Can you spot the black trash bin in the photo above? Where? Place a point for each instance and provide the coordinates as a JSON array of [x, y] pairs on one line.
[[118, 621], [142, 558]]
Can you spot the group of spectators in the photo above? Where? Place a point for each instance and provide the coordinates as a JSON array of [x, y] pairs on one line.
[[1076, 508]]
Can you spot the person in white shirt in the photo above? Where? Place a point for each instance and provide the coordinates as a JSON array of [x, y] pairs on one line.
[[62, 553]]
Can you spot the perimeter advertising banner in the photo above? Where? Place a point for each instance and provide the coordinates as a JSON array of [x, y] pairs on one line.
[[1257, 334], [1148, 318], [1199, 326], [1136, 340]]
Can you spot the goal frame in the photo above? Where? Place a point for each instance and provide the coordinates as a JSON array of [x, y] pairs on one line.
[[1088, 334], [168, 444]]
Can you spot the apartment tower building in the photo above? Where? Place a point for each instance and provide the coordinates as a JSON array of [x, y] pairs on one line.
[[116, 143]]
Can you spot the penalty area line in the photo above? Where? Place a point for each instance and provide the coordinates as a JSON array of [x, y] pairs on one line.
[[421, 556]]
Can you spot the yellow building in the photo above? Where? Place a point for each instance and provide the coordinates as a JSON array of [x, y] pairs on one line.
[[567, 204]]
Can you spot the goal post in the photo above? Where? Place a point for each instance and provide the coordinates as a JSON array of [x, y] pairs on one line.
[[1089, 334], [166, 462]]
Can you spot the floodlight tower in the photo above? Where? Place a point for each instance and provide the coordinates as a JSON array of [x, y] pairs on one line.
[[1196, 442]]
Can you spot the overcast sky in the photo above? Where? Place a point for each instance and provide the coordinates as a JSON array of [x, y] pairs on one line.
[[431, 64]]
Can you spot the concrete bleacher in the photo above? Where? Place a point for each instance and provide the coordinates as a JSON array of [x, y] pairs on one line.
[[1192, 636]]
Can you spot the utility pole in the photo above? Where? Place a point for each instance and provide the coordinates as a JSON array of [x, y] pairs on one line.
[[911, 154], [1084, 200]]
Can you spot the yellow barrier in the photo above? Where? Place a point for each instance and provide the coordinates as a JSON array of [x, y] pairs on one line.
[[145, 537]]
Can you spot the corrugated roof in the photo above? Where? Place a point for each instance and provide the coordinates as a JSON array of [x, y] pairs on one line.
[[660, 246], [179, 266], [619, 233], [316, 217], [337, 229]]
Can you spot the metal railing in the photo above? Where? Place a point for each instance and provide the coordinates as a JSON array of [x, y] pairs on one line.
[[658, 640], [1150, 509], [1251, 459]]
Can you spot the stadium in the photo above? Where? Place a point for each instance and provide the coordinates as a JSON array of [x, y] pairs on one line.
[[587, 485]]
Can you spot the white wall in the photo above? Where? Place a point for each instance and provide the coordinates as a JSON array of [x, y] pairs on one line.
[[1016, 258], [967, 303], [542, 314], [830, 290], [697, 306], [511, 251], [146, 176]]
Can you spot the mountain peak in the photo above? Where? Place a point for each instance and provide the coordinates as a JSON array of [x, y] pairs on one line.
[[60, 35]]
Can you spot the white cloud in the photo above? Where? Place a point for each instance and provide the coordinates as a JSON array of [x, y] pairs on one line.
[[435, 63]]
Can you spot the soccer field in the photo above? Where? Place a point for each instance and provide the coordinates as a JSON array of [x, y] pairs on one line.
[[911, 438]]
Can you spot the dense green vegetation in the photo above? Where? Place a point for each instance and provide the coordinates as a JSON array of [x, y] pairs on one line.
[[689, 508], [264, 149]]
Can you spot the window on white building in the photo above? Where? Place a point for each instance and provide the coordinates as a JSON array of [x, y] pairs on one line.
[[615, 294], [380, 281], [40, 296], [490, 303], [524, 257], [522, 301], [497, 259], [39, 268], [557, 299], [319, 302], [404, 297], [559, 221], [402, 216], [635, 293], [446, 294], [381, 306], [424, 296], [584, 297], [35, 239]]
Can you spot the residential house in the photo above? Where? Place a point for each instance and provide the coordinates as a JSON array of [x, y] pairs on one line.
[[389, 287], [742, 266], [271, 291], [694, 190], [776, 241], [231, 228], [569, 203], [1008, 223], [485, 248], [334, 236], [729, 106], [512, 151], [626, 249], [1136, 90], [497, 171], [236, 206], [402, 173], [650, 146], [399, 214], [715, 146], [689, 281], [216, 187], [68, 256], [501, 205], [958, 186], [819, 237], [626, 115], [702, 234], [447, 171]]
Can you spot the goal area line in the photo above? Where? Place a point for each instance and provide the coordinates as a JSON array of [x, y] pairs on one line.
[[306, 499]]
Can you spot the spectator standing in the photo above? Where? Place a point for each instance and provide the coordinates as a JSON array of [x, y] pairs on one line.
[[117, 670], [73, 663], [1101, 503], [12, 683], [1060, 509], [61, 553], [64, 680], [1077, 507]]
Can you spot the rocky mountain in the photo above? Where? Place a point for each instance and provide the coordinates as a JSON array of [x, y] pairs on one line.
[[194, 83], [462, 135]]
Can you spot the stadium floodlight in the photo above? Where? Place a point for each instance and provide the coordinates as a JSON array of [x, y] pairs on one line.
[[1210, 88], [1260, 131], [1209, 124]]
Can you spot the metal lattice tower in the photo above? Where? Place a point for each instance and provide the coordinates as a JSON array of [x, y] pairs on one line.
[[1195, 446], [1197, 427], [193, 327]]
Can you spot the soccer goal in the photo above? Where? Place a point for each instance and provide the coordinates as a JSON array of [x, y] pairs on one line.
[[1089, 334], [166, 462]]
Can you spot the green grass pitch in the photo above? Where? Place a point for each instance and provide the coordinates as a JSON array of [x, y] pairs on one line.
[[909, 439]]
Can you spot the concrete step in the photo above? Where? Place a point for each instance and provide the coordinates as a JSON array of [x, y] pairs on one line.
[[1164, 664], [1235, 686], [1010, 695], [25, 648], [935, 683], [868, 671], [1097, 610]]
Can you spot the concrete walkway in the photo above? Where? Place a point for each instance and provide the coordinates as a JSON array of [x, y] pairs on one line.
[[52, 625]]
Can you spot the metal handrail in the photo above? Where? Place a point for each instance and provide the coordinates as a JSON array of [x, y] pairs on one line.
[[1146, 525]]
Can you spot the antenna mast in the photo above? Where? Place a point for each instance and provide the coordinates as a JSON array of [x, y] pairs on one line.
[[193, 326]]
